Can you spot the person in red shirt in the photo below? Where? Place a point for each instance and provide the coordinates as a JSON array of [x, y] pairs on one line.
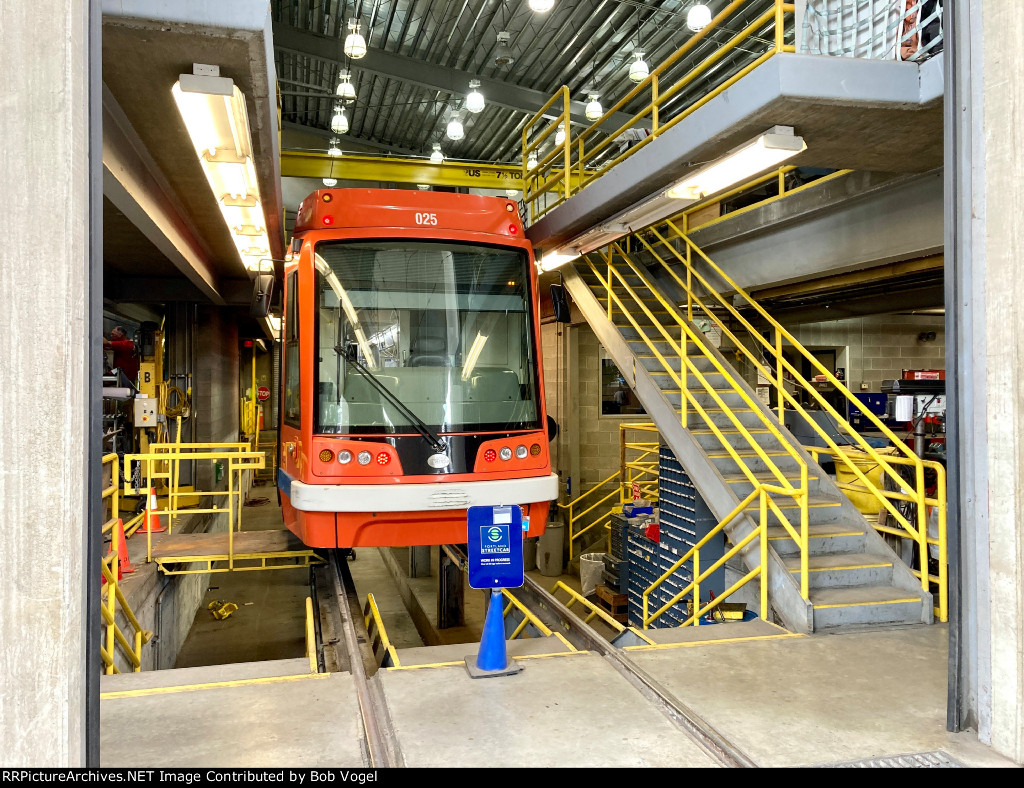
[[126, 356]]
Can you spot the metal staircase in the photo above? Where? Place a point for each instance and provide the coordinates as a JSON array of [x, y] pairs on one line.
[[827, 568]]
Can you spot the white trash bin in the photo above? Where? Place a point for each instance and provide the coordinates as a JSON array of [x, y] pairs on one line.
[[591, 571]]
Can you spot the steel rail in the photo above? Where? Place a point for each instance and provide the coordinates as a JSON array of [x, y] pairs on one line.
[[714, 743], [381, 744]]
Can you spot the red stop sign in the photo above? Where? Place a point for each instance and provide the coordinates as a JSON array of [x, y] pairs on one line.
[[263, 393]]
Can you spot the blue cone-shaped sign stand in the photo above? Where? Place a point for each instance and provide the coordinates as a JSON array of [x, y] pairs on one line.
[[492, 660]]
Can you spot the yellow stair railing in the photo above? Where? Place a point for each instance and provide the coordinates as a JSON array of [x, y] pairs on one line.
[[704, 296], [613, 288], [587, 156], [128, 640]]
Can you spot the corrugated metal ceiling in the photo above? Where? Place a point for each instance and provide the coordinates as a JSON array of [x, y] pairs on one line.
[[577, 44]]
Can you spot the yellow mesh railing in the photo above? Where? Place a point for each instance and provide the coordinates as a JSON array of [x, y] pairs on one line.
[[588, 155]]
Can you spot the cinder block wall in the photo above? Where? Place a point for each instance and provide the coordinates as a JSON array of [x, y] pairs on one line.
[[215, 394], [880, 346]]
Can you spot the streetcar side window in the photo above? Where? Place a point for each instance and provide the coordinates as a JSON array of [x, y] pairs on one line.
[[291, 354]]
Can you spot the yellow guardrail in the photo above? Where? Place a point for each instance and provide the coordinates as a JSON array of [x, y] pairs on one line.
[[781, 374], [314, 666], [576, 598], [528, 618], [115, 638], [760, 492], [585, 154], [592, 509], [615, 287], [112, 498], [377, 634], [937, 583], [159, 464]]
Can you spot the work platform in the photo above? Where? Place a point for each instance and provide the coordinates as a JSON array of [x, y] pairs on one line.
[[231, 551]]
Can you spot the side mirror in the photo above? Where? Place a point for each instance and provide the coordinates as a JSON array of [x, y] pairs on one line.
[[552, 429], [560, 304], [263, 286]]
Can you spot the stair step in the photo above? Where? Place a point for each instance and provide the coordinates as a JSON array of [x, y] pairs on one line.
[[769, 477], [722, 454], [842, 570], [824, 531], [787, 502], [841, 607]]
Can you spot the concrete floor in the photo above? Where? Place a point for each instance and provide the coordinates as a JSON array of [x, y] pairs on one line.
[[796, 701]]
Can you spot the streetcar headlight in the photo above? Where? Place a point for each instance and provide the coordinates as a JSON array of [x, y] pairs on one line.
[[505, 453], [363, 458], [344, 456], [521, 452]]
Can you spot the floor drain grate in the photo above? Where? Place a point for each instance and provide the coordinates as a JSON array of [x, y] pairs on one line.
[[917, 760]]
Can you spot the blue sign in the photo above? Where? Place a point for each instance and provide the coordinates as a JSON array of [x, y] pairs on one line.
[[495, 546]]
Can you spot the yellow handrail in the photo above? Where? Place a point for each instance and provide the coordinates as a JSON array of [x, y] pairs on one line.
[[760, 492], [581, 154], [311, 638], [688, 368], [112, 599], [371, 615], [786, 371]]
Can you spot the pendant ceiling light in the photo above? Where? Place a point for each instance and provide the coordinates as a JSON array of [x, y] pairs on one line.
[[346, 90], [560, 135], [330, 183], [339, 123], [541, 6], [475, 99], [594, 109], [638, 69], [334, 150], [454, 130], [355, 44], [698, 17], [436, 157], [531, 160], [503, 56]]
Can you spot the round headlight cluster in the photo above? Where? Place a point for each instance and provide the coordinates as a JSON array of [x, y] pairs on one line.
[[344, 456], [521, 452], [505, 453], [363, 458]]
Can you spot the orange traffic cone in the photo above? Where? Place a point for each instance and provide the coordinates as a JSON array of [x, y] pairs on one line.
[[151, 522], [124, 566]]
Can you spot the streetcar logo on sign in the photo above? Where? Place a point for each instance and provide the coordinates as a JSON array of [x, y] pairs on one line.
[[494, 539]]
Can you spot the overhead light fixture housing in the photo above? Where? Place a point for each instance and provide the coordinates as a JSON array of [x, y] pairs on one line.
[[355, 44], [594, 110], [503, 56], [748, 160], [541, 6], [339, 123], [436, 157], [454, 130], [698, 17], [531, 160], [549, 261], [638, 69], [213, 110], [560, 135], [475, 99], [330, 183], [422, 186], [511, 192], [334, 150], [346, 90]]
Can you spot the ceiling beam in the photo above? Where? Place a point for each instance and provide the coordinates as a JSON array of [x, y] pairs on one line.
[[133, 182], [429, 75], [302, 164], [326, 134]]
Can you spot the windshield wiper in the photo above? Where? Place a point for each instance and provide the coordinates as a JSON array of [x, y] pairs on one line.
[[429, 436]]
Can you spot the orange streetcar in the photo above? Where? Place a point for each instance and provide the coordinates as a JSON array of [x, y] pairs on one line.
[[411, 384]]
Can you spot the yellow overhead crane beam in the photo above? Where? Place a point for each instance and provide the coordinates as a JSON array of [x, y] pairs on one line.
[[389, 169]]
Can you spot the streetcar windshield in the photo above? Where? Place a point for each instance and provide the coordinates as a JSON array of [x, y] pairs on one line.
[[444, 327]]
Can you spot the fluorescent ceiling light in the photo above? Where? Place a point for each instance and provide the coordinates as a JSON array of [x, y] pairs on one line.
[[541, 6], [552, 260], [560, 135], [213, 110], [741, 164]]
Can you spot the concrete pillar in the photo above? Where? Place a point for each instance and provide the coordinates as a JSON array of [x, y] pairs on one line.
[[985, 304], [50, 378]]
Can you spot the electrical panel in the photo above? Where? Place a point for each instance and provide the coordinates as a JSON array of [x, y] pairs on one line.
[[144, 412]]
